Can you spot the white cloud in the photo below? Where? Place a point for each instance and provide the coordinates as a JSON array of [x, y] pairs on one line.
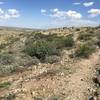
[[65, 14], [1, 2], [8, 14], [87, 4], [43, 11], [74, 14], [60, 18], [13, 13], [57, 13], [94, 12], [55, 10], [1, 11], [76, 3]]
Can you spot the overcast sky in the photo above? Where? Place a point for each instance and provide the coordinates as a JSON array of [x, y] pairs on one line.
[[49, 13]]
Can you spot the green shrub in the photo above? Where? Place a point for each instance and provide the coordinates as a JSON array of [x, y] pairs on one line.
[[41, 49], [42, 46], [51, 37], [39, 36], [61, 41], [77, 29], [52, 59], [5, 84], [6, 58], [98, 35], [84, 36], [68, 41], [10, 41], [7, 69], [2, 46], [84, 50], [58, 42]]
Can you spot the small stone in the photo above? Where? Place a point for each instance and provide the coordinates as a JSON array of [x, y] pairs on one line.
[[91, 98], [81, 79], [61, 73]]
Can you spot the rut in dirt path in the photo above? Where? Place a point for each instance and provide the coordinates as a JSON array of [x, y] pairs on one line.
[[81, 82]]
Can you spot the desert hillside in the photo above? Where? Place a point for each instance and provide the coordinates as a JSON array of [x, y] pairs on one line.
[[52, 64]]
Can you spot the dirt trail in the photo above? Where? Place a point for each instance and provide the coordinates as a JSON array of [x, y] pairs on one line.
[[75, 86], [81, 82]]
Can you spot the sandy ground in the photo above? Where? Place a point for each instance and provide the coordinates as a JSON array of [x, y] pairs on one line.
[[74, 86]]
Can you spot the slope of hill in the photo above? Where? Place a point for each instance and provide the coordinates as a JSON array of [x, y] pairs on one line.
[[53, 64]]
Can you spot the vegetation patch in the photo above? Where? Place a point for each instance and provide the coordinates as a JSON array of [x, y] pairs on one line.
[[10, 41], [85, 36], [85, 50], [5, 85], [41, 46], [52, 59], [6, 58], [9, 96], [69, 42], [41, 49]]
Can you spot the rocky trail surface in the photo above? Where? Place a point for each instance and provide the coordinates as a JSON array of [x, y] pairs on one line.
[[66, 80]]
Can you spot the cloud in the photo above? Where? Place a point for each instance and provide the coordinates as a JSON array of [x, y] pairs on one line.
[[60, 18], [1, 11], [76, 3], [87, 4], [54, 10], [94, 12], [8, 14], [65, 14], [43, 11], [74, 14], [13, 13], [57, 13], [1, 2]]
